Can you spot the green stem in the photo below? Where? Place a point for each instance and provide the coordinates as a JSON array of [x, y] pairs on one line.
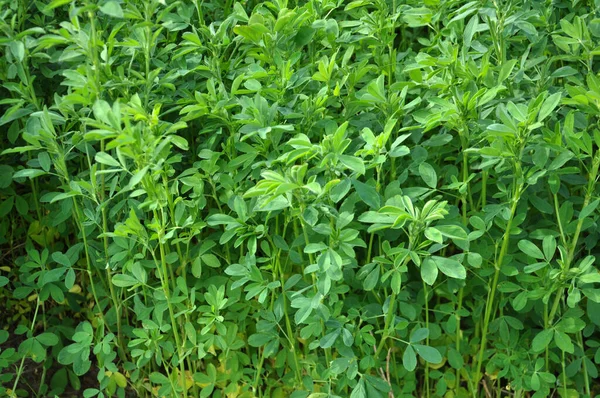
[[465, 172], [78, 218], [564, 374], [258, 370], [390, 313], [171, 203], [20, 371], [546, 327], [490, 301], [571, 254], [425, 295], [113, 295], [288, 325], [458, 331], [370, 248], [560, 227], [312, 261], [214, 196], [165, 285], [586, 379]]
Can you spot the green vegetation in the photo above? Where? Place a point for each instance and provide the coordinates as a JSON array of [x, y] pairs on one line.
[[305, 199]]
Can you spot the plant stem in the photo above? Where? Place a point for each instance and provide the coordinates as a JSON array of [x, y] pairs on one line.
[[586, 379], [312, 261], [490, 301], [20, 371], [113, 295], [278, 273], [165, 283], [259, 369], [458, 331], [78, 221], [546, 327], [465, 172], [571, 254], [564, 374], [425, 296], [390, 314]]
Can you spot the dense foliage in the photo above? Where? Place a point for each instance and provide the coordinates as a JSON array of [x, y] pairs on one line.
[[323, 198]]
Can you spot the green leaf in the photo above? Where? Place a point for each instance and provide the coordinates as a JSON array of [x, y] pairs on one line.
[[560, 160], [505, 70], [571, 325], [564, 72], [540, 156], [6, 206], [530, 249], [452, 231], [455, 359], [17, 48], [44, 160], [563, 341], [6, 173], [429, 354], [434, 235], [339, 365], [419, 334], [304, 35], [53, 275], [329, 339], [112, 9], [541, 340], [347, 337], [469, 32], [253, 85], [139, 273], [221, 219], [589, 209], [159, 378], [252, 32], [428, 174], [70, 279], [259, 339], [367, 194], [409, 359], [81, 366], [340, 190], [30, 173], [548, 106], [353, 163], [47, 339], [56, 3], [396, 283], [3, 336], [593, 312], [211, 260], [61, 259], [315, 247], [399, 151], [549, 246], [375, 217], [535, 381], [137, 177], [429, 271], [359, 391], [122, 280], [105, 158], [520, 301], [372, 279], [450, 267]]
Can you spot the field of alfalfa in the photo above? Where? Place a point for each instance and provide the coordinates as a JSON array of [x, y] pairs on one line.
[[304, 199]]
